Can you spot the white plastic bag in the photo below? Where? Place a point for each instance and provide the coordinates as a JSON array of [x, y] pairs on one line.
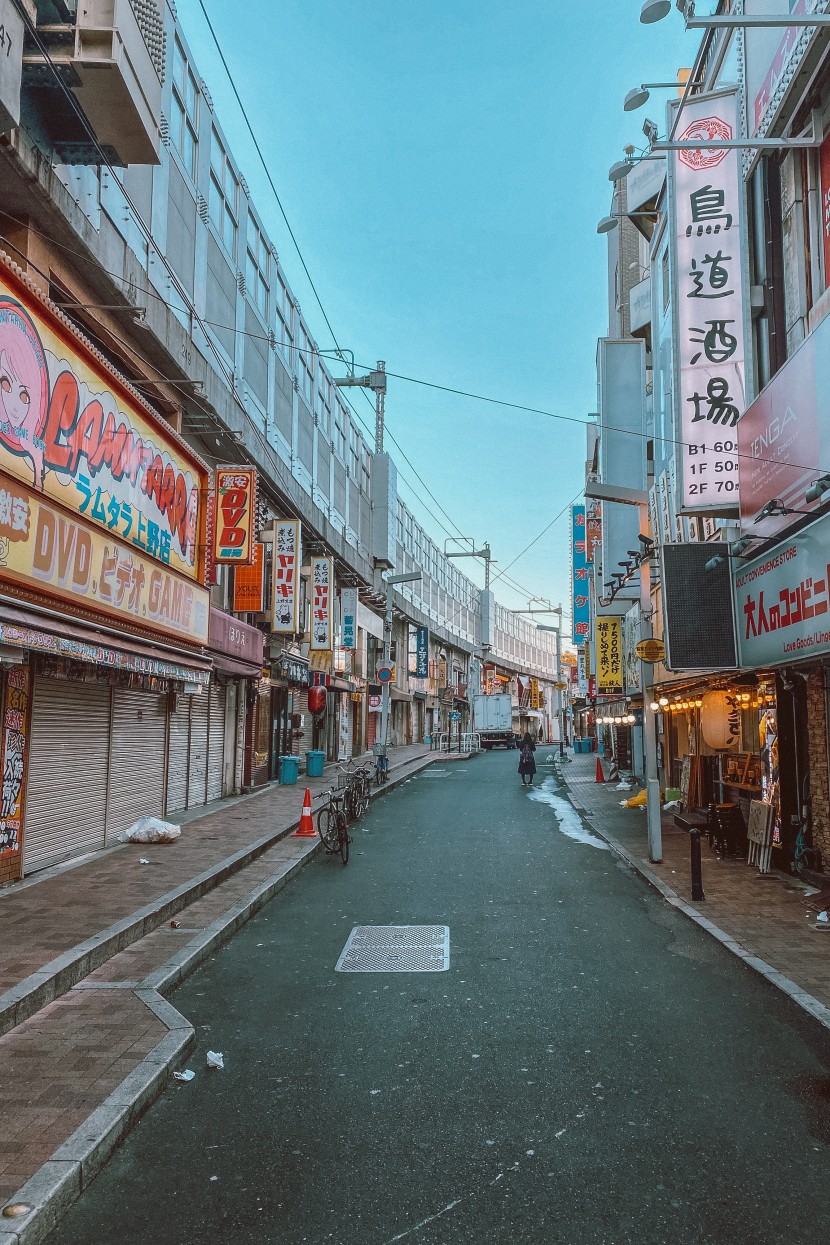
[[215, 1059], [150, 830]]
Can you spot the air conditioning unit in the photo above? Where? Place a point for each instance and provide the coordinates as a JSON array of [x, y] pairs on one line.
[[110, 54], [119, 58]]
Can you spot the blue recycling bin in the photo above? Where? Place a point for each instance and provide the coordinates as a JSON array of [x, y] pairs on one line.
[[289, 769], [314, 763]]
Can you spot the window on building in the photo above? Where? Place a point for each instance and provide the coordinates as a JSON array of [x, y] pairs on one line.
[[664, 277], [305, 363], [185, 104], [322, 403], [341, 419], [224, 195], [767, 269], [257, 267], [284, 319]]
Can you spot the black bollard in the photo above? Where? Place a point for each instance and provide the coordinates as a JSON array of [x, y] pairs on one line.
[[697, 874]]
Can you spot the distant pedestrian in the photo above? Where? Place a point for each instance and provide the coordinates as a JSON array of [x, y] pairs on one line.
[[527, 761]]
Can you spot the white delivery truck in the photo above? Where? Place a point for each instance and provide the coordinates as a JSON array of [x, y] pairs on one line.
[[493, 720]]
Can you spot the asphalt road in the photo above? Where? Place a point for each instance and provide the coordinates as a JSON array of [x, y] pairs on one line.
[[592, 1068]]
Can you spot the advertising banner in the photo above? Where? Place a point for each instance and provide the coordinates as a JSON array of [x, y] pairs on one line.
[[249, 585], [322, 590], [769, 54], [593, 528], [235, 515], [348, 618], [782, 601], [706, 223], [785, 434], [582, 672], [285, 577], [580, 573], [609, 657], [73, 433], [49, 550], [421, 670], [15, 752]]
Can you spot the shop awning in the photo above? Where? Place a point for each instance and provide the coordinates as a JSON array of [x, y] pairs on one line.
[[397, 694], [239, 669], [64, 637]]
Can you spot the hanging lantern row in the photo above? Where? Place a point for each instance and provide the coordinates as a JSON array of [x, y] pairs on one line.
[[618, 719], [761, 699]]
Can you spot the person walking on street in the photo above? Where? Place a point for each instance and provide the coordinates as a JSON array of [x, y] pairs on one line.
[[527, 761]]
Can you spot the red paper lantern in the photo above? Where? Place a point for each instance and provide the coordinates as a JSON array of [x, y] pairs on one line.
[[317, 699]]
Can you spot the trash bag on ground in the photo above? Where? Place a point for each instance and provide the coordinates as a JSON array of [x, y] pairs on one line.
[[150, 830], [637, 801]]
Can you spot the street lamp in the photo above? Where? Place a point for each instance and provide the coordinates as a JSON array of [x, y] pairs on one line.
[[639, 498], [391, 581], [656, 10], [640, 95], [560, 712]]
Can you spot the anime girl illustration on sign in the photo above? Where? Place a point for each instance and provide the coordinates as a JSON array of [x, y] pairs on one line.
[[24, 387]]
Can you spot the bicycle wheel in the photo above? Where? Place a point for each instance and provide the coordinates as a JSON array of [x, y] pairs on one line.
[[364, 801], [343, 837], [327, 828]]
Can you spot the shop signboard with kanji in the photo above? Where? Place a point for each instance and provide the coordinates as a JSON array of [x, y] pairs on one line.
[[322, 591], [782, 600], [48, 549], [234, 515], [285, 577], [79, 437], [593, 528], [709, 283], [609, 657], [421, 670], [348, 618], [580, 569]]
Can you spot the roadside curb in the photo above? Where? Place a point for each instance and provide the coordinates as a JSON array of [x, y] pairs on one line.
[[807, 1002], [60, 1181]]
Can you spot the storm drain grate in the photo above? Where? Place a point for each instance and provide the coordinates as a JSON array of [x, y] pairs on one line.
[[396, 949]]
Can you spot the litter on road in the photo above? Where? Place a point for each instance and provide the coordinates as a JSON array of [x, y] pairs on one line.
[[215, 1059], [187, 1075], [150, 830]]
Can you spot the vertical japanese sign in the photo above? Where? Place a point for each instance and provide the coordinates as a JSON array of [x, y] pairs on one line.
[[824, 153], [709, 285], [582, 671], [15, 729], [580, 571], [285, 588], [593, 529], [234, 515], [609, 657], [348, 618], [248, 585], [422, 653], [322, 589]]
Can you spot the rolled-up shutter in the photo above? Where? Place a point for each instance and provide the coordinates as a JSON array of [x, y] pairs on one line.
[[139, 738], [216, 742], [197, 776], [66, 792], [177, 752]]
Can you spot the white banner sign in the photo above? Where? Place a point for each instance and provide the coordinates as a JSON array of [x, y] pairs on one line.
[[706, 220], [782, 601], [322, 597], [348, 618], [285, 577]]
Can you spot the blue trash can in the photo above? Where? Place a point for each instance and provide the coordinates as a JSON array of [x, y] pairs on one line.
[[289, 769], [314, 763]]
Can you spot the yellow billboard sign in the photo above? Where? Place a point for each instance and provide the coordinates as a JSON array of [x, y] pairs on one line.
[[51, 551], [609, 656]]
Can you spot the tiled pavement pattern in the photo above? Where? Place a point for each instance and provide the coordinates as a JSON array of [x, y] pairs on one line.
[[62, 1063], [770, 916]]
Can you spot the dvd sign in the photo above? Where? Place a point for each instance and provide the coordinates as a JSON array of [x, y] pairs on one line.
[[234, 515]]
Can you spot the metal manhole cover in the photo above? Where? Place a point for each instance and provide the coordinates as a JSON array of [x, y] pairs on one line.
[[396, 949]]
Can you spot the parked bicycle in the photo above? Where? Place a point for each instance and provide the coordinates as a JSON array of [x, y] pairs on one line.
[[332, 826], [356, 779], [381, 770]]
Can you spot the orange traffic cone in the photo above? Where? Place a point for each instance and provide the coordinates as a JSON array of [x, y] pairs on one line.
[[306, 829], [600, 775]]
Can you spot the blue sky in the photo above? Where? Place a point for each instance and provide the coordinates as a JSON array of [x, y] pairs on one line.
[[443, 165]]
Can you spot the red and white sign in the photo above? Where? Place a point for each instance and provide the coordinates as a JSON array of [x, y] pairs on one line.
[[285, 588], [234, 515], [784, 436], [706, 222], [322, 589]]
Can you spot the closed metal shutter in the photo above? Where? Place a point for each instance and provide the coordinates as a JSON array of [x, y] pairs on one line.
[[216, 742], [197, 778], [177, 750], [139, 745], [66, 793]]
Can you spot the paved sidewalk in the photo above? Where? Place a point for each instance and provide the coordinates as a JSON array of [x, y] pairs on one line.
[[87, 953], [769, 921]]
